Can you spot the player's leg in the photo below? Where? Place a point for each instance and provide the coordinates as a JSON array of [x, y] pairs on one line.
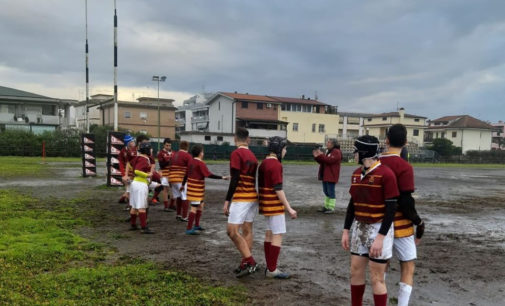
[[191, 218], [330, 190], [277, 225], [239, 212], [198, 216], [185, 203], [358, 274], [405, 250], [377, 269]]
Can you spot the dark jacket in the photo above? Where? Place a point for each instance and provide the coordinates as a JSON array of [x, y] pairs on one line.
[[329, 165]]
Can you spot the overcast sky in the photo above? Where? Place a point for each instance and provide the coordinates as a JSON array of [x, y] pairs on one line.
[[432, 57]]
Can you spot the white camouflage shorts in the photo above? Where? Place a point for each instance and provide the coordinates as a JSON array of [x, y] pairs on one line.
[[363, 236]]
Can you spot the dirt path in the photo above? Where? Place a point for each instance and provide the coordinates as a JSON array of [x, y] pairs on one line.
[[460, 258]]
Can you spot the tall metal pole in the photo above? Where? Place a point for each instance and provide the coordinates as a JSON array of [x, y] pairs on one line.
[[115, 70], [159, 121], [87, 69]]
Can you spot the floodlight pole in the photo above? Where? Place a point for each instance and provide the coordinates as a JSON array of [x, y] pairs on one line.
[[115, 70], [159, 79]]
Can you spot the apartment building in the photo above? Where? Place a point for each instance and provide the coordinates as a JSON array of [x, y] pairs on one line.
[[378, 124], [498, 136]]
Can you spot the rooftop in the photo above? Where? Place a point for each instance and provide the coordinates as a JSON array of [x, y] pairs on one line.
[[461, 121]]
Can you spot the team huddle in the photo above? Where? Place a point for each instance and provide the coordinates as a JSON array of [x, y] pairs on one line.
[[379, 220]]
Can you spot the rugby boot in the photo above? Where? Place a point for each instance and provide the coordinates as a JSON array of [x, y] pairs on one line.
[[276, 274]]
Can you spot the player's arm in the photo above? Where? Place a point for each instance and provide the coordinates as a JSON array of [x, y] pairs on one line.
[[235, 176], [349, 217], [282, 197], [127, 170], [407, 205], [389, 216]]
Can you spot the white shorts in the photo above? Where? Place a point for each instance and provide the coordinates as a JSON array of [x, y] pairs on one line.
[[405, 248], [241, 212], [195, 203], [363, 235], [138, 195], [276, 224], [164, 181], [177, 193]]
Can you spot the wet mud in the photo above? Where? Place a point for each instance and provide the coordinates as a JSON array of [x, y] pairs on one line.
[[460, 259]]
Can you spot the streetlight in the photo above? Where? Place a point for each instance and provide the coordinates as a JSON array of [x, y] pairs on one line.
[[159, 79]]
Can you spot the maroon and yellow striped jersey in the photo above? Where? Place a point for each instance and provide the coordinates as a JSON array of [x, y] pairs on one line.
[[405, 179], [178, 166], [244, 160], [197, 172], [269, 176], [370, 190]]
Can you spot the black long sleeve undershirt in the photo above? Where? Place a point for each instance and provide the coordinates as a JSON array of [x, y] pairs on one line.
[[407, 205], [349, 215], [235, 176], [389, 216], [216, 177]]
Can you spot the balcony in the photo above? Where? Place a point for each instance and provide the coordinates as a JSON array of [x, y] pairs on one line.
[[198, 119], [263, 133]]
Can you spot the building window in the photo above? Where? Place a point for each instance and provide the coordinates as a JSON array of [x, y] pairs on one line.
[[384, 118], [207, 137], [219, 105], [11, 109], [443, 135], [244, 104], [143, 115], [313, 127], [283, 106], [295, 127], [321, 128], [416, 133], [298, 107], [143, 132], [259, 105], [48, 110], [416, 119], [454, 134], [127, 114], [317, 109], [219, 138], [369, 119]]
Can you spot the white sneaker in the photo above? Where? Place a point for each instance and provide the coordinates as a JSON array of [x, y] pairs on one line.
[[276, 274]]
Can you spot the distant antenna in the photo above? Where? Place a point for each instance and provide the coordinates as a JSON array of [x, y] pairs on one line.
[[397, 106], [315, 95]]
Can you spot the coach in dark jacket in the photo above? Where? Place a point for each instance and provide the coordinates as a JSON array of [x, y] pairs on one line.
[[329, 172]]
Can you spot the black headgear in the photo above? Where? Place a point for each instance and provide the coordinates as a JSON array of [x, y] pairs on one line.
[[276, 144], [367, 147], [145, 148]]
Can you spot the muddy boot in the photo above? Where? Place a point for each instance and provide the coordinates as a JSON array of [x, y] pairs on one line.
[[146, 230]]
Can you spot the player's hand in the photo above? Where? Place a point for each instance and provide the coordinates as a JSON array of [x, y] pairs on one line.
[[182, 188], [125, 179], [345, 239], [376, 249], [226, 178], [226, 208], [292, 213], [150, 175], [419, 231]]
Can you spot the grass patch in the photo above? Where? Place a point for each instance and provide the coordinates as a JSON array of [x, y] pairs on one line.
[[44, 262], [13, 166]]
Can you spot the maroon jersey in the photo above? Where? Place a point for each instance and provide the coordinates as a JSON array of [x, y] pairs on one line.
[[269, 175], [244, 160], [197, 172], [141, 163], [164, 159], [179, 166], [405, 179], [369, 192]]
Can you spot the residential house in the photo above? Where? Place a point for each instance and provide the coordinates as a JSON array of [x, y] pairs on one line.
[[351, 125], [378, 124], [193, 115], [33, 112], [259, 114], [465, 132], [498, 136]]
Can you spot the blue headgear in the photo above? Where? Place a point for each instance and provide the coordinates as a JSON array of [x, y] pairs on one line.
[[127, 139]]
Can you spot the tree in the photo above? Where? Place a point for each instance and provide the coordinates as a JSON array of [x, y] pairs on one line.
[[444, 147]]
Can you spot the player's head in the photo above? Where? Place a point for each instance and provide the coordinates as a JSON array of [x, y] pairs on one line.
[[167, 144], [332, 143], [196, 150], [142, 138], [127, 139], [145, 148], [277, 145], [366, 146], [397, 135], [184, 145], [242, 135]]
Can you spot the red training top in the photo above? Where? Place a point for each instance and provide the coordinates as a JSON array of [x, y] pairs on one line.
[[370, 191], [141, 163], [178, 166], [244, 160], [197, 172], [405, 178], [269, 175]]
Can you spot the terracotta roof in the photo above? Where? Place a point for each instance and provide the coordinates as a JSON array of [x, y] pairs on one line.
[[298, 101], [248, 97], [463, 121], [396, 114]]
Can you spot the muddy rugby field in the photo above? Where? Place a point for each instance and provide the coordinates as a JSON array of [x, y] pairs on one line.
[[461, 257]]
